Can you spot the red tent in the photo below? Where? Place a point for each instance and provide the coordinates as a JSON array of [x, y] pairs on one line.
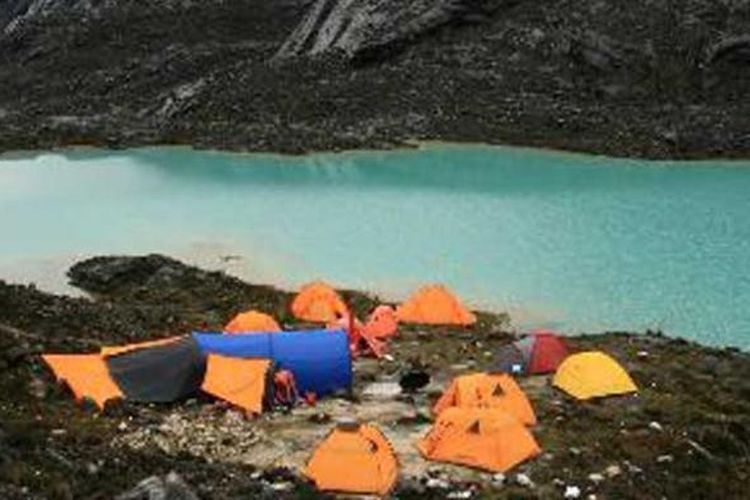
[[548, 351]]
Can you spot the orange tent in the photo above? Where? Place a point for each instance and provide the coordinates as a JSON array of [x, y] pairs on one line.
[[318, 302], [354, 459], [252, 321], [239, 381], [435, 305], [489, 439], [117, 350], [87, 376], [487, 390]]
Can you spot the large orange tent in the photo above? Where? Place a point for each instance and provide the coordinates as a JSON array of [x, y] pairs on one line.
[[162, 371], [487, 390], [239, 381], [489, 439], [252, 322], [435, 305], [318, 302], [87, 375], [354, 459]]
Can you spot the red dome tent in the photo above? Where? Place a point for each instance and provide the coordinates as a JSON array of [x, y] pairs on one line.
[[540, 352], [548, 351]]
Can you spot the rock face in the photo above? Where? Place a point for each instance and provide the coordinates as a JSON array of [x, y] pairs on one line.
[[15, 13], [362, 28], [657, 79]]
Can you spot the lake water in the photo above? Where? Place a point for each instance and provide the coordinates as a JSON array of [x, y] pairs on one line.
[[559, 240]]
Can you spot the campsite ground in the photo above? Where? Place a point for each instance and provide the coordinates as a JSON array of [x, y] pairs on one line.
[[684, 435]]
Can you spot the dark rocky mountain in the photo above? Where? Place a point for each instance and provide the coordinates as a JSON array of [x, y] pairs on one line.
[[660, 78]]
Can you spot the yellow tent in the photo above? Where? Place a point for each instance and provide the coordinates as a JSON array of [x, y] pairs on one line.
[[593, 374], [485, 438]]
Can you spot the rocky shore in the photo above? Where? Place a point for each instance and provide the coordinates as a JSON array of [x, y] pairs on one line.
[[685, 435], [664, 79]]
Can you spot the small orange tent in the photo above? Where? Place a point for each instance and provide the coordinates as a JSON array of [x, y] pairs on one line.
[[489, 439], [318, 302], [354, 459], [252, 321], [487, 390], [435, 305], [87, 376], [239, 381]]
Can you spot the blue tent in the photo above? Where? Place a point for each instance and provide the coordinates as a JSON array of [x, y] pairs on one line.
[[320, 359]]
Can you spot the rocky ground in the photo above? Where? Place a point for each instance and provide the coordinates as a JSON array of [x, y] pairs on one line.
[[685, 435], [652, 78]]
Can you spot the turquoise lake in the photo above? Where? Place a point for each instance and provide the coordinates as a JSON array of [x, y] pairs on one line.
[[559, 240]]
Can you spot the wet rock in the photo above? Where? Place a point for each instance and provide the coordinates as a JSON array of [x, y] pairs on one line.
[[382, 390], [596, 478], [437, 483], [524, 480], [633, 469], [171, 487], [283, 486], [572, 492], [664, 459], [38, 388], [613, 471], [656, 426], [498, 479]]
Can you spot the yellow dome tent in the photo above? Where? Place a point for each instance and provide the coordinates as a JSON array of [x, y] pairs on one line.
[[435, 305], [593, 374], [489, 439], [354, 459], [487, 390]]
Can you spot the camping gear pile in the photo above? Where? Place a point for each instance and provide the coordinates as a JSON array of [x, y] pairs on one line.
[[482, 420]]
